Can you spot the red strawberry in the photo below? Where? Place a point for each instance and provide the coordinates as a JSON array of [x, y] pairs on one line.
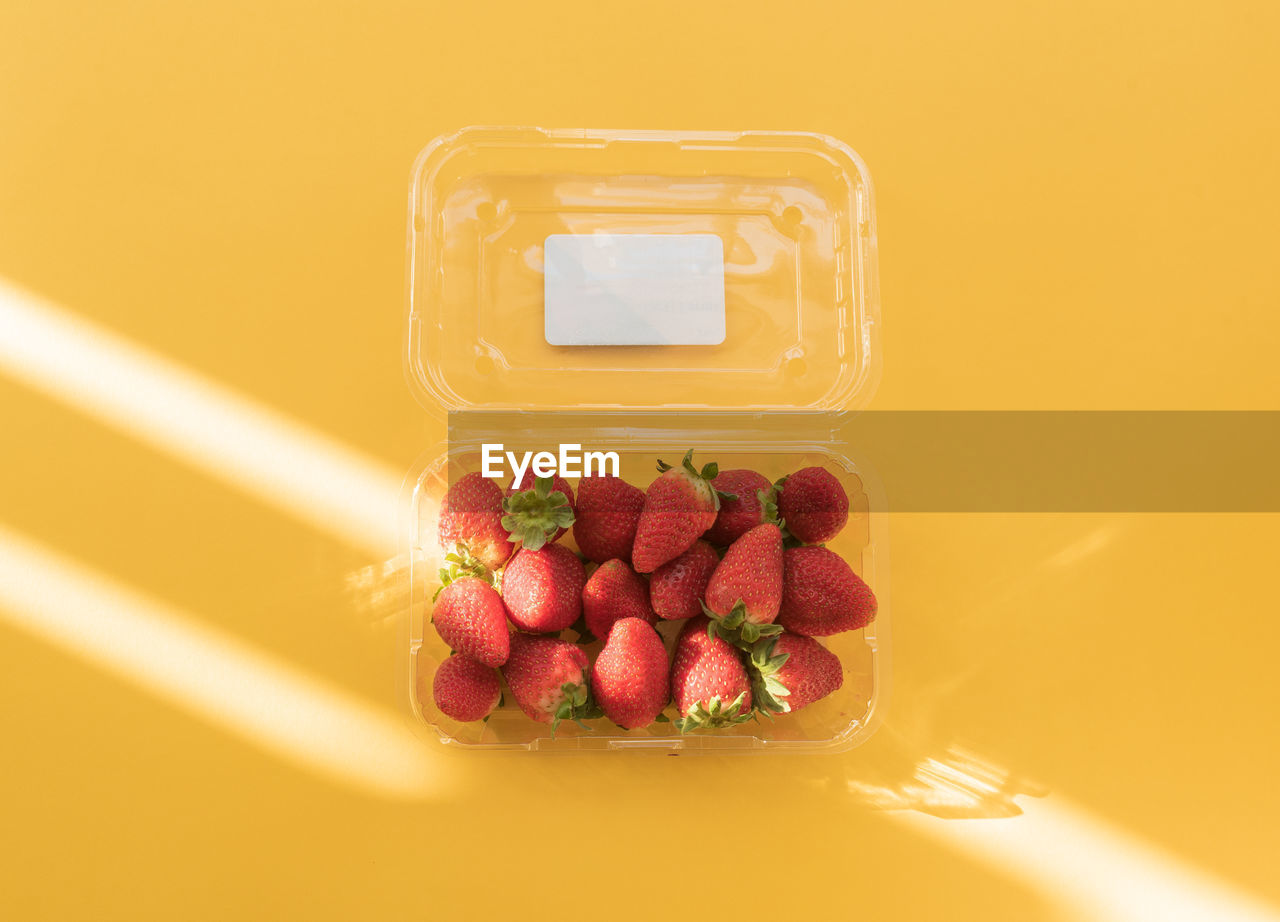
[[676, 587], [538, 510], [745, 510], [549, 679], [745, 591], [607, 513], [790, 671], [708, 681], [813, 505], [542, 589], [630, 675], [464, 689], [821, 595], [471, 520], [612, 593], [470, 618], [678, 507]]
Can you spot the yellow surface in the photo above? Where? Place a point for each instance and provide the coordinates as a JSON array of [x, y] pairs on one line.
[[1077, 210]]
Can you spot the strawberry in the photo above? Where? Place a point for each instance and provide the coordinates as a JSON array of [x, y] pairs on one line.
[[469, 617], [542, 589], [549, 679], [745, 590], [813, 505], [746, 500], [821, 595], [465, 689], [613, 592], [708, 681], [676, 587], [678, 507], [471, 520], [538, 510], [608, 511], [791, 671], [630, 679]]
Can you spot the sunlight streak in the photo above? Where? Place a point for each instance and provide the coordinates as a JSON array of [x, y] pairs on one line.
[[1093, 869], [265, 701], [1093, 543], [204, 424], [958, 785]]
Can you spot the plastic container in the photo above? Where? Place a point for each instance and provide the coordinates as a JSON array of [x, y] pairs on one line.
[[646, 292]]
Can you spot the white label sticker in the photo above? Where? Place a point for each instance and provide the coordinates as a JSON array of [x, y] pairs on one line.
[[634, 290]]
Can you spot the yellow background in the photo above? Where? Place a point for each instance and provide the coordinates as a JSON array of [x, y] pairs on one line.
[[1076, 210]]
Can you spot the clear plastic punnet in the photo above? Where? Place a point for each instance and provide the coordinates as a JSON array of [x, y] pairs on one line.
[[585, 302]]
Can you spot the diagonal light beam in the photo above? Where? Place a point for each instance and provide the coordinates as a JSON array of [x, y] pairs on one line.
[[204, 424], [218, 678], [1093, 870]]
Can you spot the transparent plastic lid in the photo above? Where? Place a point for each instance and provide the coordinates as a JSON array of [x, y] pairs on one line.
[[641, 270]]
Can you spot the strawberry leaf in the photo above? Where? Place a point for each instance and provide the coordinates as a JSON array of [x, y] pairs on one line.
[[767, 690], [735, 628], [687, 463], [534, 517], [460, 564], [713, 714], [769, 506], [577, 705]]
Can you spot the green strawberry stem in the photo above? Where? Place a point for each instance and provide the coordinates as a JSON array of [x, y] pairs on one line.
[[532, 517], [769, 503], [767, 691], [771, 513], [460, 564], [714, 714], [578, 705], [708, 473], [736, 629]]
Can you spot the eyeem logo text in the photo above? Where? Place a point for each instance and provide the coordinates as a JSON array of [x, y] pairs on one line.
[[571, 461]]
